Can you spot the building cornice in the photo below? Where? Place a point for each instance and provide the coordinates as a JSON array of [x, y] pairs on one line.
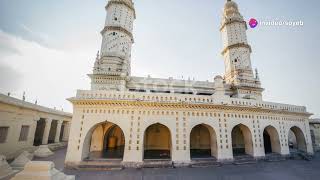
[[107, 76], [238, 45], [180, 105], [117, 28], [233, 21], [247, 87]]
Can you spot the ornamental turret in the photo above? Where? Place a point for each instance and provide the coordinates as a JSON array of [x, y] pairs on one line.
[[236, 53], [113, 64]]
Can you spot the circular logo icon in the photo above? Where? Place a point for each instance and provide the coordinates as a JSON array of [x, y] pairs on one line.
[[253, 23]]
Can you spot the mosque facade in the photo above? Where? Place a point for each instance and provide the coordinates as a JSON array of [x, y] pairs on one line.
[[138, 119]]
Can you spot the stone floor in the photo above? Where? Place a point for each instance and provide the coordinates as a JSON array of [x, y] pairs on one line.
[[285, 170]]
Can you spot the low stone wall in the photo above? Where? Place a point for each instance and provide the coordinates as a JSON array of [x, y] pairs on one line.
[[41, 170]]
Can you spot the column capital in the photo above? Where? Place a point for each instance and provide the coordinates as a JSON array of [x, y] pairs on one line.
[[60, 121], [48, 120]]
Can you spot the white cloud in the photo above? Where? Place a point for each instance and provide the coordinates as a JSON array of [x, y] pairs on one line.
[[48, 75]]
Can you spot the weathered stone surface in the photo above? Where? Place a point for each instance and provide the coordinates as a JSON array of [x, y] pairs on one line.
[[31, 115], [22, 160], [5, 169], [43, 151], [41, 170]]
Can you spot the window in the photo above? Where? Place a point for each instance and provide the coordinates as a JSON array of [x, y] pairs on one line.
[[24, 133], [3, 134]]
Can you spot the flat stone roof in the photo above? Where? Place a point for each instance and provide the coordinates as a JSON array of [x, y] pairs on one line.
[[24, 104]]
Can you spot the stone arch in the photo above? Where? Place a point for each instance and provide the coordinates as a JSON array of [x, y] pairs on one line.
[[296, 139], [271, 140], [203, 139], [157, 142], [94, 140], [242, 143]]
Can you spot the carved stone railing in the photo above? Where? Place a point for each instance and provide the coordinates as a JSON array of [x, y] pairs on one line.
[[185, 98]]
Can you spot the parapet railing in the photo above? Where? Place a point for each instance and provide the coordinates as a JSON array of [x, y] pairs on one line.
[[186, 98]]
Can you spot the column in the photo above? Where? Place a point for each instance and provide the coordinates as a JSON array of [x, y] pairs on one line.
[[66, 132], [46, 131], [308, 137], [33, 129], [57, 137]]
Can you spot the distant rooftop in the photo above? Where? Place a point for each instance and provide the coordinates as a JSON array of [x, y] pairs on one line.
[[314, 121], [6, 99]]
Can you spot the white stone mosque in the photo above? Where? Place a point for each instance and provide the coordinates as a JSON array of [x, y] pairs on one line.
[[134, 121]]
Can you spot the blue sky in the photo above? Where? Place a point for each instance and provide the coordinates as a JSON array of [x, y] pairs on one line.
[[48, 47]]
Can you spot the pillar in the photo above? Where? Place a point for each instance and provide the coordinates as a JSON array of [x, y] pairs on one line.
[[66, 131], [308, 138], [57, 137], [46, 131], [33, 129]]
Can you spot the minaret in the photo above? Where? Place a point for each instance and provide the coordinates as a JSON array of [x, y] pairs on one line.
[[112, 65], [236, 53]]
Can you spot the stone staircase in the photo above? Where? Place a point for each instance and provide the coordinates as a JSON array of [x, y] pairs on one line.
[[274, 157], [157, 164], [243, 160], [204, 162], [101, 165]]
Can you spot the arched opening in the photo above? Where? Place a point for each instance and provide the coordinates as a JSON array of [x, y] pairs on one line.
[[107, 142], [157, 142], [267, 142], [39, 132], [203, 143], [241, 141], [296, 140], [271, 140]]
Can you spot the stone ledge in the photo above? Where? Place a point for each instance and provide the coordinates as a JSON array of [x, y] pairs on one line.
[[40, 170]]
